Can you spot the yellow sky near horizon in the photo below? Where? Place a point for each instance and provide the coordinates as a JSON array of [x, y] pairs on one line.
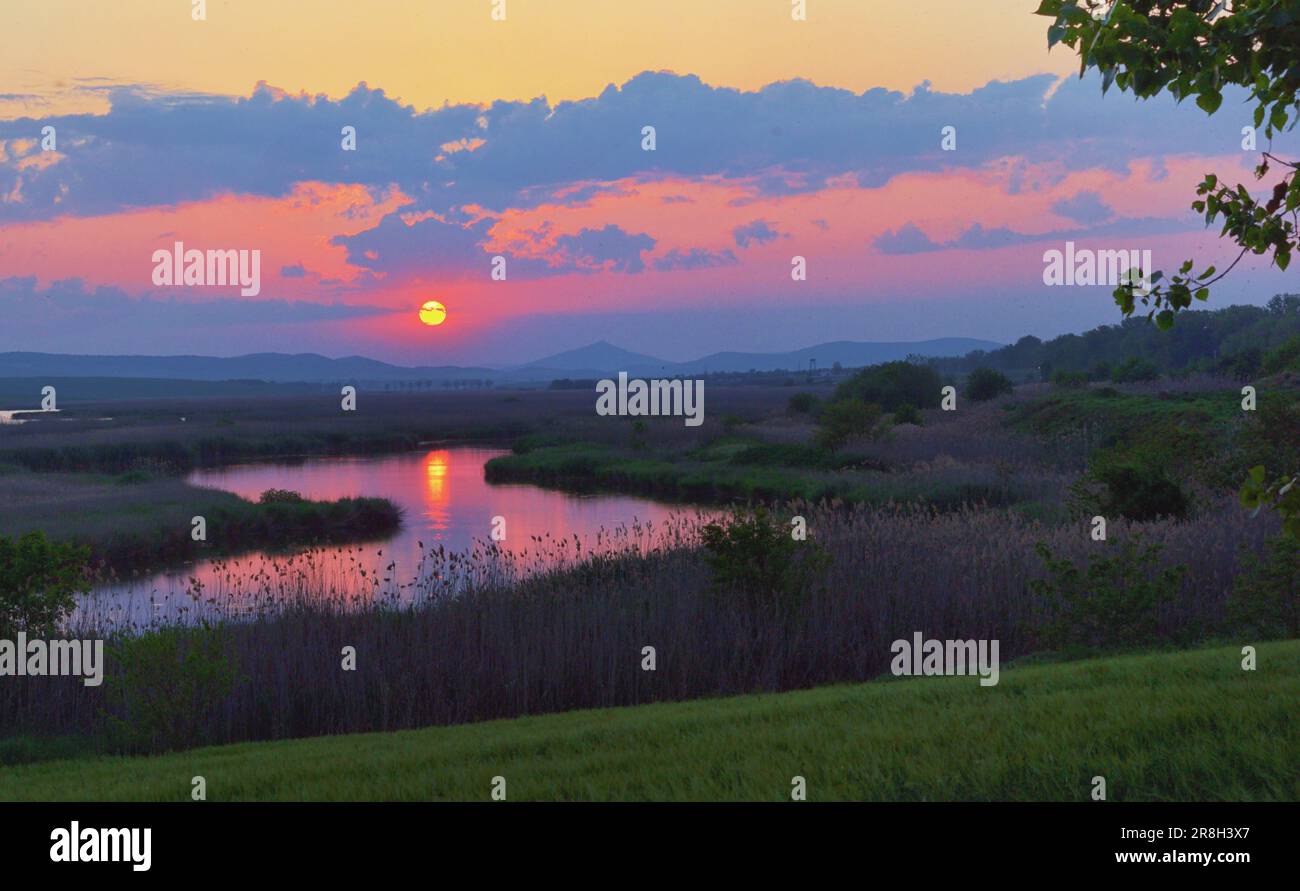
[[427, 52]]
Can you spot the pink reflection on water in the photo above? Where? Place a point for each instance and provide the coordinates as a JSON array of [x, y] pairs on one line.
[[445, 539]]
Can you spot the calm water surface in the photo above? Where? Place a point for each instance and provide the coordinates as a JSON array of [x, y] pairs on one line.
[[449, 509]]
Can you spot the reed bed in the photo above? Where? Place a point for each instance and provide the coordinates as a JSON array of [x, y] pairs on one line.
[[494, 633]]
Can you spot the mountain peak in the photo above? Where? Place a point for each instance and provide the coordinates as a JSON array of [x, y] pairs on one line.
[[599, 356]]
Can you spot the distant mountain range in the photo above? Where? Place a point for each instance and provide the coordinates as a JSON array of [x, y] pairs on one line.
[[277, 367], [603, 357], [596, 360]]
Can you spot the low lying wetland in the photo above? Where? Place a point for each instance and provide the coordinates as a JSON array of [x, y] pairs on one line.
[[956, 527]]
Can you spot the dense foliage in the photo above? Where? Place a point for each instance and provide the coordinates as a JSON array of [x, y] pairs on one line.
[[39, 581], [1199, 48], [844, 420], [754, 556], [893, 384], [987, 383], [1216, 341], [1114, 600]]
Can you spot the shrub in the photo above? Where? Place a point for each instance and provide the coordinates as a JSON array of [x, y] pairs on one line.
[[907, 413], [1134, 487], [1113, 602], [1265, 597], [984, 384], [168, 684], [639, 430], [1272, 431], [1241, 366], [280, 496], [1285, 357], [1069, 379], [755, 556], [893, 384], [802, 403], [39, 581], [845, 419], [1133, 370]]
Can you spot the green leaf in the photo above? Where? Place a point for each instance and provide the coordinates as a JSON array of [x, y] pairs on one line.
[[1165, 320], [1209, 102], [1277, 120], [1071, 12]]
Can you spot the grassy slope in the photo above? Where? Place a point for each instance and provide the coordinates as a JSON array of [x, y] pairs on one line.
[[1179, 726], [1122, 412]]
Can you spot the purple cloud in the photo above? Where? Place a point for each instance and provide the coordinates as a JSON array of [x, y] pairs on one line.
[[757, 232], [608, 248]]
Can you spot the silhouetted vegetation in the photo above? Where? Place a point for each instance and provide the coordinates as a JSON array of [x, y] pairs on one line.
[[1202, 341], [893, 384], [844, 420], [755, 556], [907, 413], [984, 384], [1266, 595]]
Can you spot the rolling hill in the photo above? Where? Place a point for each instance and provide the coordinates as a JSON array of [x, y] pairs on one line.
[[595, 360]]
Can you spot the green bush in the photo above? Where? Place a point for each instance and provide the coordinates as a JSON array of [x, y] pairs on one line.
[[1113, 602], [984, 384], [846, 419], [1133, 370], [1285, 357], [1265, 598], [1069, 380], [802, 403], [893, 384], [39, 581], [907, 413], [167, 685], [637, 437], [1133, 487], [754, 556], [1241, 366]]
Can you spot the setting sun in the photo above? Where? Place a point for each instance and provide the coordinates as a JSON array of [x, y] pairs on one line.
[[433, 313]]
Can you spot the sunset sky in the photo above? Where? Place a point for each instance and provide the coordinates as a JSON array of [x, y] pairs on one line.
[[522, 138]]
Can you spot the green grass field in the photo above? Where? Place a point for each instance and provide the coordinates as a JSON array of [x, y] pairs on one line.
[[1171, 726]]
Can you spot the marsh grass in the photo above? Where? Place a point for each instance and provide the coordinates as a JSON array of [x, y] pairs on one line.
[[485, 637], [140, 519]]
